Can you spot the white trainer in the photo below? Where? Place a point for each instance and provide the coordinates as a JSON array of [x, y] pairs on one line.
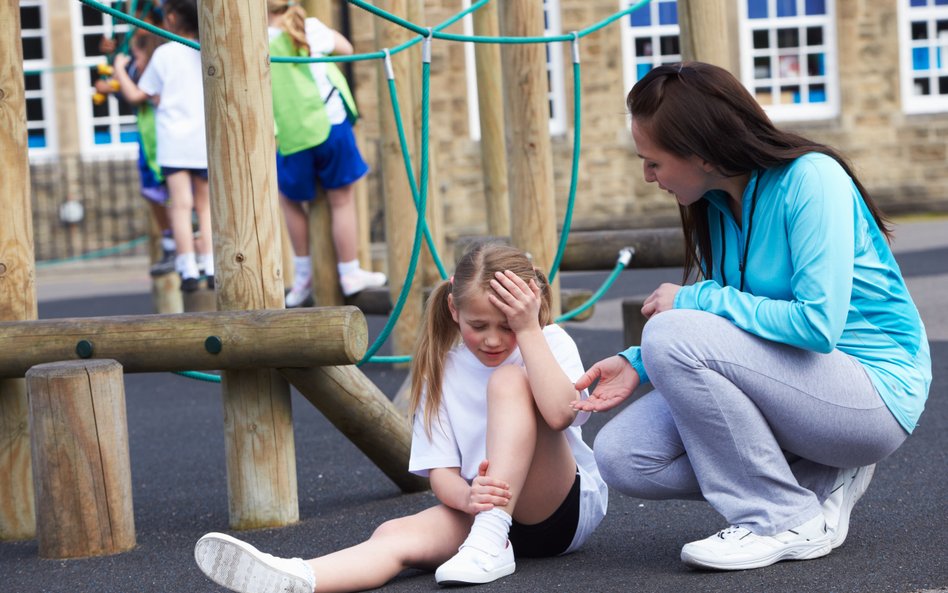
[[738, 548], [359, 280], [850, 485], [241, 567], [300, 294], [473, 566]]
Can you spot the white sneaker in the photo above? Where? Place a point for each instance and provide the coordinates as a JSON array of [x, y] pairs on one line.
[[359, 280], [300, 294], [241, 567], [473, 566], [850, 485], [737, 548]]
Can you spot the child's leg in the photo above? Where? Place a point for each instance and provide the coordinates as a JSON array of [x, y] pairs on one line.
[[202, 205], [344, 222], [181, 203], [523, 450], [297, 225], [424, 540]]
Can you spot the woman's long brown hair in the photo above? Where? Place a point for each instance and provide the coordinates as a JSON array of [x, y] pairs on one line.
[[693, 108]]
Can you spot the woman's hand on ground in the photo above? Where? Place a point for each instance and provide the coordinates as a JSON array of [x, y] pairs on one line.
[[617, 380]]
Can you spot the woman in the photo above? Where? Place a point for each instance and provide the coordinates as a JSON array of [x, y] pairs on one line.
[[793, 364]]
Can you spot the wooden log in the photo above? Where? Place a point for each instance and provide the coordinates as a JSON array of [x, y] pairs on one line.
[[17, 272], [201, 300], [190, 341], [81, 469], [490, 105], [166, 293], [702, 23], [362, 413], [527, 121], [400, 212], [598, 250], [326, 289]]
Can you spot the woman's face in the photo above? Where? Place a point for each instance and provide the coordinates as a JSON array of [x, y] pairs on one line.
[[484, 329], [688, 179]]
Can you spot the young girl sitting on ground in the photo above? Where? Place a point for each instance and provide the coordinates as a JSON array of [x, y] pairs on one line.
[[492, 382]]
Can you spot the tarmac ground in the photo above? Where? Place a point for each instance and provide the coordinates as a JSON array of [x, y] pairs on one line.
[[898, 541]]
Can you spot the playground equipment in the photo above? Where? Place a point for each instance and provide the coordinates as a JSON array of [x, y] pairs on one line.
[[262, 488]]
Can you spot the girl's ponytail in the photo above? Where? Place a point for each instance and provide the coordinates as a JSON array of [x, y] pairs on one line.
[[293, 22], [438, 335]]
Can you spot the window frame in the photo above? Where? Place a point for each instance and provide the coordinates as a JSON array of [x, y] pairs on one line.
[[86, 120], [911, 102], [631, 60], [830, 78], [45, 92]]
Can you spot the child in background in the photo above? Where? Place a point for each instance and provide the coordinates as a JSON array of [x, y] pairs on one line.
[[492, 383], [173, 82], [314, 111], [151, 182]]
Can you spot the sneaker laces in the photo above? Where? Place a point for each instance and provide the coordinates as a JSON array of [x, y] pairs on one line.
[[734, 532]]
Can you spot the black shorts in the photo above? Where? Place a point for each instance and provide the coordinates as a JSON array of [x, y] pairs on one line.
[[553, 535]]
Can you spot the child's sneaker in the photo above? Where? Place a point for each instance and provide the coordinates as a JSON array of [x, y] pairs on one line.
[[850, 485], [301, 295], [738, 548], [241, 567], [473, 566], [355, 282], [190, 284], [163, 266]]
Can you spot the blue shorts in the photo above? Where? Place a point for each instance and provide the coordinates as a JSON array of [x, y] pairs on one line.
[[152, 189], [335, 163], [169, 171]]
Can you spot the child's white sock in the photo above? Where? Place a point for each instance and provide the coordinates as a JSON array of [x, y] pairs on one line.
[[347, 267], [167, 243], [205, 262], [490, 530], [302, 269], [186, 265]]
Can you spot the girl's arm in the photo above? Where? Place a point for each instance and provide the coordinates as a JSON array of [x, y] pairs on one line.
[[127, 86], [343, 47], [482, 494], [552, 389]]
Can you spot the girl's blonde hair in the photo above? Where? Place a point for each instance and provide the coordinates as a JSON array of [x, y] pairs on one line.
[[294, 21], [440, 333]]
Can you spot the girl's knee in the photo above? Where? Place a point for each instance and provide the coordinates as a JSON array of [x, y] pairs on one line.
[[508, 380]]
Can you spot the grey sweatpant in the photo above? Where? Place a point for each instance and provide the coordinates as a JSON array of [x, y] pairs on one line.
[[757, 428]]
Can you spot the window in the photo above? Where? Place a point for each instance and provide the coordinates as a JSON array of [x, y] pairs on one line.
[[650, 38], [107, 128], [37, 81], [923, 49], [788, 57], [554, 72]]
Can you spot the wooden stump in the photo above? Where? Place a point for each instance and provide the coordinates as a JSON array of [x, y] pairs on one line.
[[166, 293], [81, 472], [633, 322]]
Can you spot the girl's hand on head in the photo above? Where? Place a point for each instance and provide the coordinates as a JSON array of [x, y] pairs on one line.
[[617, 380], [663, 299], [516, 299], [487, 492]]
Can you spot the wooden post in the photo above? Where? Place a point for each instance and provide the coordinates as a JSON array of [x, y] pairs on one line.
[[704, 27], [326, 290], [361, 412], [400, 214], [490, 105], [17, 271], [261, 458], [527, 120], [81, 469]]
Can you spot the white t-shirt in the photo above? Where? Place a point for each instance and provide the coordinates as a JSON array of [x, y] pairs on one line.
[[174, 74], [322, 42], [458, 434]]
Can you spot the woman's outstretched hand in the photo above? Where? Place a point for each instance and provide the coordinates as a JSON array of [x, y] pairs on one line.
[[617, 380]]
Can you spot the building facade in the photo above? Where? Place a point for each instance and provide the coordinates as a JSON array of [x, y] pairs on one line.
[[870, 78]]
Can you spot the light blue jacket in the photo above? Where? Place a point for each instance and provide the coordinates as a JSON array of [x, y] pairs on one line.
[[819, 276]]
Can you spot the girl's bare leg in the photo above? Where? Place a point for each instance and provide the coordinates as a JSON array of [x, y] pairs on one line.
[[344, 222], [523, 450], [423, 540], [297, 225], [202, 205], [179, 210]]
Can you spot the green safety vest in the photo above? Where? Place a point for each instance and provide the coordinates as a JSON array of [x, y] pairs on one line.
[[298, 109], [149, 139]]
